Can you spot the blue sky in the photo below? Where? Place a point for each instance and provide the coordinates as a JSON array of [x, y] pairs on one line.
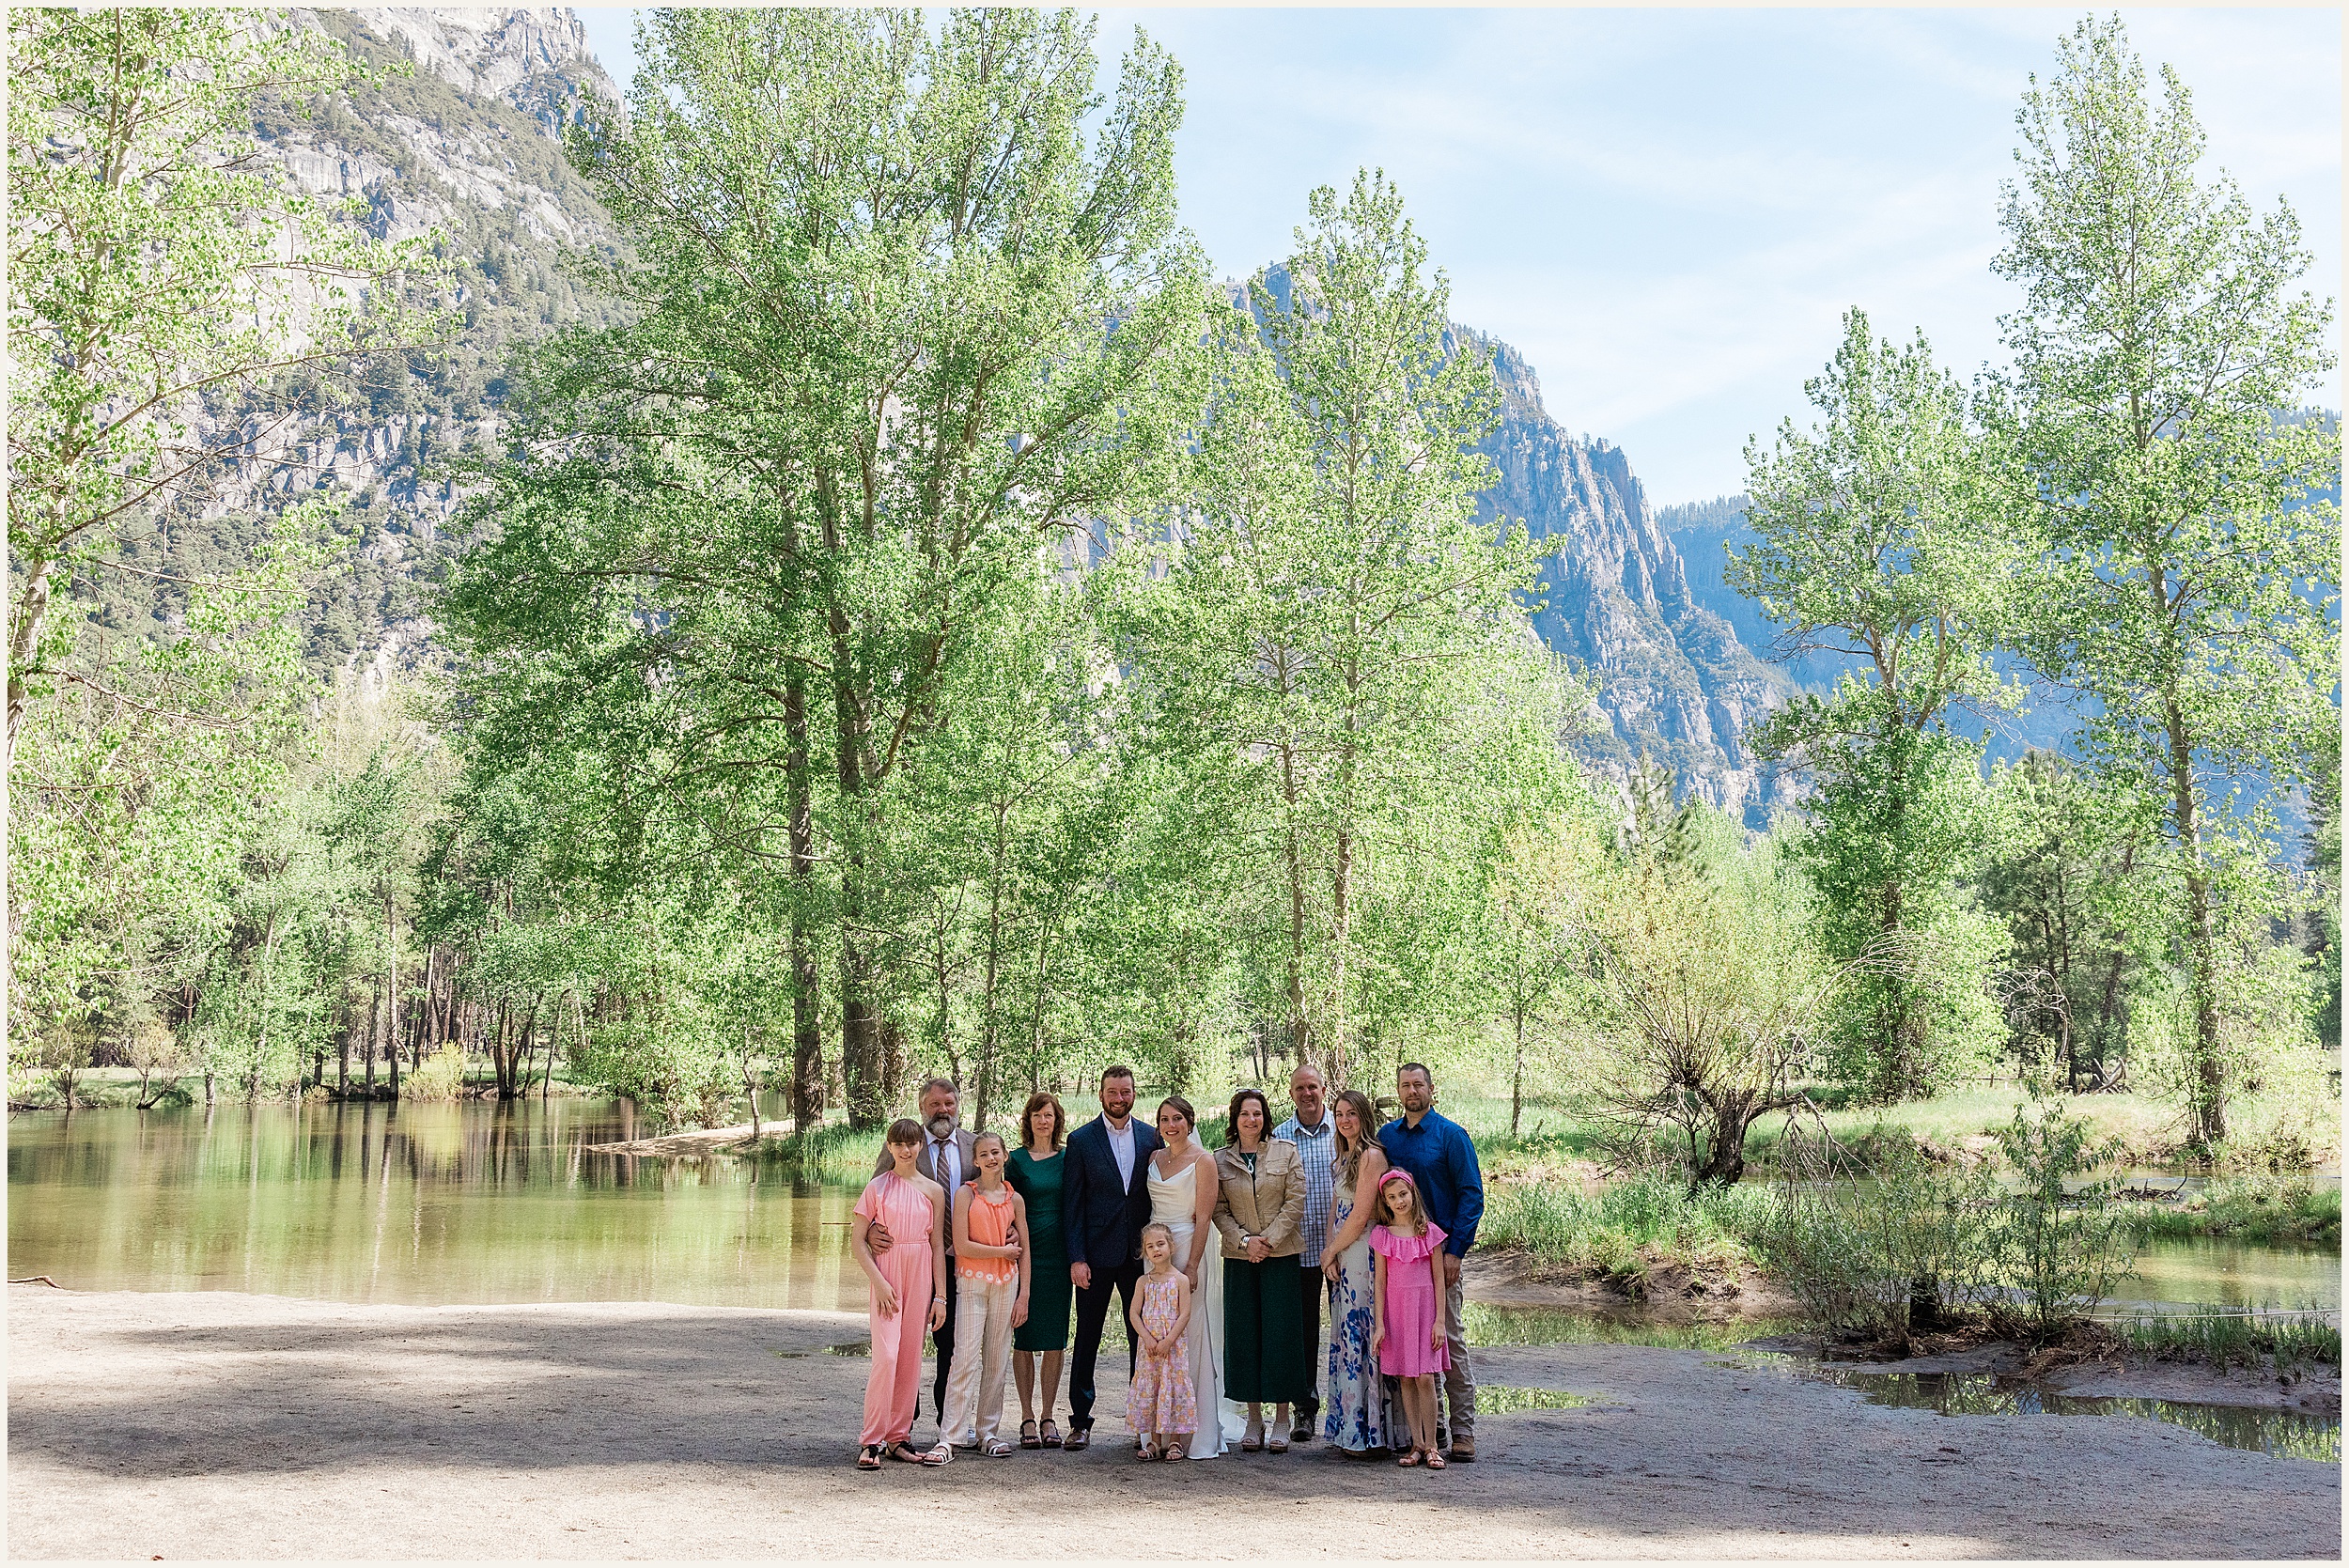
[[1668, 210]]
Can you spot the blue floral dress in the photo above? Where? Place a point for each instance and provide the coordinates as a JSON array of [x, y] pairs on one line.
[[1354, 1408]]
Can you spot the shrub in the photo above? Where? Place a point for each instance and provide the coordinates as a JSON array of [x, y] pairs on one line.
[[441, 1077], [1896, 1246], [2064, 1248]]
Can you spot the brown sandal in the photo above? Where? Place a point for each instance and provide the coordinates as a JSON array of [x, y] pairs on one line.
[[1435, 1461], [1409, 1459]]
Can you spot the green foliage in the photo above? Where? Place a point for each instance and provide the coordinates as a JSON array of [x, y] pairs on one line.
[[2270, 1208], [1704, 991], [1887, 1248], [2184, 588], [1879, 537], [2286, 1341], [2064, 1241], [1627, 1226]]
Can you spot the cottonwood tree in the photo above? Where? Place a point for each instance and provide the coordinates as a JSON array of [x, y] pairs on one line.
[[1880, 539], [1330, 596], [177, 315], [897, 320], [2160, 351]]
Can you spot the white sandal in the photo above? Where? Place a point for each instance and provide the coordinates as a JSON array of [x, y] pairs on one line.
[[995, 1448]]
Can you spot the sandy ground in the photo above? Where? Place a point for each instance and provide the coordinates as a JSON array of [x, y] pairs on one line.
[[146, 1426]]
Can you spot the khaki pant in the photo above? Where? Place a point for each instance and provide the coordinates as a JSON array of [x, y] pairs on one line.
[[1459, 1389], [974, 1389]]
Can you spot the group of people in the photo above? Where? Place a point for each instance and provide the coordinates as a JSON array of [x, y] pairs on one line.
[[992, 1250]]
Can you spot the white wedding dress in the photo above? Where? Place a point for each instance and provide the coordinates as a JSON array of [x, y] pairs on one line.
[[1172, 1204]]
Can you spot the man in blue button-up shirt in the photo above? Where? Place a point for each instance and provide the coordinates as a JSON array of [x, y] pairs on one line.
[[1437, 1152]]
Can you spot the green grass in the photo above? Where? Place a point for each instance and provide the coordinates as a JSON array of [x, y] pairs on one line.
[[831, 1151], [2265, 1209], [1628, 1227], [2222, 1339]]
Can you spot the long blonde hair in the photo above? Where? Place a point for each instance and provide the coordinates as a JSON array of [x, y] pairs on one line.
[[1349, 1165]]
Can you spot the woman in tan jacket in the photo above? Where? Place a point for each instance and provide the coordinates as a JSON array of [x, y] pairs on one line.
[[1260, 1213]]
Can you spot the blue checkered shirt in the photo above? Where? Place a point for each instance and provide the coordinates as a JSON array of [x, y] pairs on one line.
[[1318, 1148]]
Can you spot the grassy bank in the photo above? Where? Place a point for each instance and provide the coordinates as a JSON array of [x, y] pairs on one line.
[[2288, 1342], [1627, 1230], [2270, 1210]]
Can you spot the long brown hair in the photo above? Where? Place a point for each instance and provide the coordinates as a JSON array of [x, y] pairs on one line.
[[1348, 1165]]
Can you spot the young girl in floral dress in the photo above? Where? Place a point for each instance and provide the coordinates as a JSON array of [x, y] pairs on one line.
[[1409, 1289], [1161, 1405]]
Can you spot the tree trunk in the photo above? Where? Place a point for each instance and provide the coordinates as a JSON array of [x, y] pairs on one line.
[[807, 1035], [23, 637], [375, 1005], [2209, 1081], [1517, 1074]]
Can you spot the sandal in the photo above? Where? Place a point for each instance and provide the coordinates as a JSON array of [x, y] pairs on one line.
[[1028, 1439], [942, 1454], [1143, 1453], [1409, 1459], [995, 1448], [1172, 1452], [904, 1453], [869, 1456], [1051, 1433], [1435, 1461], [1276, 1444], [1253, 1438]]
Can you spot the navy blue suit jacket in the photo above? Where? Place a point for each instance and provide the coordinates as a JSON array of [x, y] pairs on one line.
[[1100, 1220]]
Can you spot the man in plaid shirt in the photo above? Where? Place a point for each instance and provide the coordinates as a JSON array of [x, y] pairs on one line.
[[1315, 1137]]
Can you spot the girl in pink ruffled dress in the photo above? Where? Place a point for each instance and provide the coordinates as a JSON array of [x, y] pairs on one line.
[[1409, 1304]]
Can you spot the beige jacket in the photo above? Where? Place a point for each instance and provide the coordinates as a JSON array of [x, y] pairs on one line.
[[1270, 1204]]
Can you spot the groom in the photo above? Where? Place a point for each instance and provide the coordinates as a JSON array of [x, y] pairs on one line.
[[1105, 1201]]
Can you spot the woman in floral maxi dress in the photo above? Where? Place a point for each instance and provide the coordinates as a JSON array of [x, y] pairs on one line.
[[1355, 1418]]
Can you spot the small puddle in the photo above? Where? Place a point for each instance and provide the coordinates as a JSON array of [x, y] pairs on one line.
[[2288, 1434], [1500, 1400]]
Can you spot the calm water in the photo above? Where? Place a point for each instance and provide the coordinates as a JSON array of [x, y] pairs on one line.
[[476, 1202], [466, 1202]]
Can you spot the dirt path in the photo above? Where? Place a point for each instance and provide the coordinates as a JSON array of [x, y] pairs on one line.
[[225, 1425]]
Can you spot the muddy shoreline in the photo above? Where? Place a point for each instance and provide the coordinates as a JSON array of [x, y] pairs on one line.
[[218, 1425]]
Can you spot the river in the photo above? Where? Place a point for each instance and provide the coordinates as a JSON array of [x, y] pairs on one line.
[[476, 1202]]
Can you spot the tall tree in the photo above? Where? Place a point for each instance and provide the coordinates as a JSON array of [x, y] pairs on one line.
[[1333, 599], [899, 321], [1879, 539], [2158, 356]]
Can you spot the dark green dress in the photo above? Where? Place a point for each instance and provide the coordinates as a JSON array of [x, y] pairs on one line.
[[1038, 1181]]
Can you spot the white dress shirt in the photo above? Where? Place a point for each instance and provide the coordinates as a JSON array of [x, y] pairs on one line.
[[1122, 1147]]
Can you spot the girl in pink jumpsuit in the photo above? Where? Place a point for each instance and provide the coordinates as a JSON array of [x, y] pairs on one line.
[[909, 1295]]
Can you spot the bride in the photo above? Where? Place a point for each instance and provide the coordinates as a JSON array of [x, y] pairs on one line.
[[1182, 1186]]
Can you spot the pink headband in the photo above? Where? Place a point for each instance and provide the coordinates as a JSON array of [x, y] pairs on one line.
[[1402, 1177]]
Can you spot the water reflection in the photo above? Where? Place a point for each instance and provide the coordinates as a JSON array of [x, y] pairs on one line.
[[468, 1202], [2290, 1433]]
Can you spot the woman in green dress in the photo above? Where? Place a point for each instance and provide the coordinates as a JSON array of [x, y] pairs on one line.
[[1034, 1173]]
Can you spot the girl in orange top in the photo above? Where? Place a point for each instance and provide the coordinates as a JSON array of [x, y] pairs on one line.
[[991, 1275]]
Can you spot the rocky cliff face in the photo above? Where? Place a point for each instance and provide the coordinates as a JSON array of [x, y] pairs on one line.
[[468, 146], [1675, 681]]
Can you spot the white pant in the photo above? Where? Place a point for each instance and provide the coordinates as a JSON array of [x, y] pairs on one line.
[[974, 1385]]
